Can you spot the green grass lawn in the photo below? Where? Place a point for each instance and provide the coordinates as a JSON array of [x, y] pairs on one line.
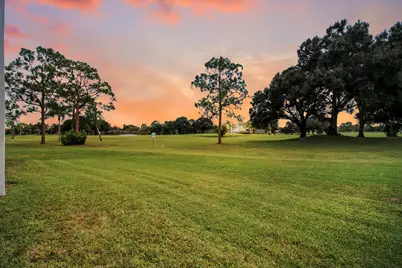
[[256, 201]]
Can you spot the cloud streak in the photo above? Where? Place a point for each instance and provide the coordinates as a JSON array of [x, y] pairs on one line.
[[12, 33], [82, 5], [169, 11]]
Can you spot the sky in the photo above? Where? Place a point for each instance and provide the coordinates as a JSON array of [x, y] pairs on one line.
[[150, 50]]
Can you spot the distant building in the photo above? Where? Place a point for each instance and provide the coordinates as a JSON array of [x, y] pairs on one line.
[[239, 128], [242, 128]]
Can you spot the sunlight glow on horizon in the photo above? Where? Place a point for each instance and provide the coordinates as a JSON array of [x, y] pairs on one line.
[[151, 50]]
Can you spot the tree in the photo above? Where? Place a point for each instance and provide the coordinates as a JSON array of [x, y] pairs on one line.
[[333, 65], [131, 128], [314, 125], [294, 95], [260, 115], [225, 87], [249, 127], [31, 80], [273, 127], [12, 115], [346, 127], [59, 110], [358, 84], [387, 79], [94, 116], [290, 128], [182, 125], [203, 125], [169, 128], [191, 128], [81, 85], [156, 127], [144, 129], [69, 124]]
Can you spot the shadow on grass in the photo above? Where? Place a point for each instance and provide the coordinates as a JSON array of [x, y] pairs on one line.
[[215, 136], [323, 141]]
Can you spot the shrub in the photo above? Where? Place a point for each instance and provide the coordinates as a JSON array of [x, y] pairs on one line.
[[225, 130], [72, 138]]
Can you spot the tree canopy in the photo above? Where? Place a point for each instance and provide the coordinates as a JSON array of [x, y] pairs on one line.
[[225, 90], [345, 70], [45, 81]]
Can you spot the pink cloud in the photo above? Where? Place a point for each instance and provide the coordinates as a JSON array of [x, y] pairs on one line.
[[166, 10], [20, 7], [10, 48], [13, 31], [82, 5], [63, 29]]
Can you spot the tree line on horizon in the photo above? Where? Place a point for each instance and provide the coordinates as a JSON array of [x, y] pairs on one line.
[[180, 126], [346, 70]]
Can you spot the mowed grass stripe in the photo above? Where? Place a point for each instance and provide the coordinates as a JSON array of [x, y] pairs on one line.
[[125, 204]]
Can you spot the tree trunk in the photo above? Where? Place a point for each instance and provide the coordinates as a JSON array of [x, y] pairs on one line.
[[361, 118], [99, 134], [361, 127], [391, 130], [59, 128], [220, 125], [333, 129], [12, 132], [43, 127], [303, 129], [220, 111], [77, 119]]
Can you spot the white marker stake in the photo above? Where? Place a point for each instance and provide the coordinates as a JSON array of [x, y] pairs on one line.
[[153, 140], [2, 104]]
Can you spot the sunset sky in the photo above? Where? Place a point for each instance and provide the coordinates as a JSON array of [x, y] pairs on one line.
[[150, 50]]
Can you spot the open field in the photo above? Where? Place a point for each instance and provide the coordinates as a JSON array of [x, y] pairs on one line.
[[256, 201]]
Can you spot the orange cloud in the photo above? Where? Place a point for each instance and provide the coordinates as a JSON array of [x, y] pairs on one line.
[[166, 10], [82, 5], [169, 17]]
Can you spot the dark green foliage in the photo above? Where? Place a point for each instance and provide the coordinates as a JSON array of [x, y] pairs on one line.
[[73, 138], [12, 115], [31, 80], [289, 128], [315, 126], [347, 127], [260, 115], [156, 127], [293, 95], [131, 129], [183, 125], [387, 61], [224, 130], [82, 88], [343, 70]]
